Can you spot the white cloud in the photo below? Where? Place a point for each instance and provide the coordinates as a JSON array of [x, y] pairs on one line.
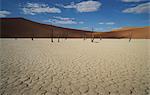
[[88, 6], [56, 21], [63, 20], [101, 23], [107, 23], [132, 0], [72, 5], [110, 23], [142, 8], [4, 13], [84, 6], [34, 8]]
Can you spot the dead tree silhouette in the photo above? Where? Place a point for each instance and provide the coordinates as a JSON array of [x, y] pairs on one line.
[[130, 36], [52, 34], [92, 36], [58, 38], [32, 37], [66, 35], [16, 38], [84, 36], [147, 35], [100, 37]]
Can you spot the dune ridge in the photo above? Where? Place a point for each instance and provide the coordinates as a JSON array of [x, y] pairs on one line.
[[23, 28]]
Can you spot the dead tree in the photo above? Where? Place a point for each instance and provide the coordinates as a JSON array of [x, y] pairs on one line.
[[52, 34], [92, 36], [32, 37], [58, 38], [147, 35], [84, 36], [66, 35], [100, 37], [130, 36], [15, 36]]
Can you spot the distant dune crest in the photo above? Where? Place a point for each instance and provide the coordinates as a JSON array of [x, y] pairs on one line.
[[23, 28]]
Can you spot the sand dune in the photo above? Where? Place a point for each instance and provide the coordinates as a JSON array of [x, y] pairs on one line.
[[124, 28], [137, 33], [23, 28], [74, 67]]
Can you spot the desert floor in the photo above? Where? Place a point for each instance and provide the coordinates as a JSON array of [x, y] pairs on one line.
[[74, 67]]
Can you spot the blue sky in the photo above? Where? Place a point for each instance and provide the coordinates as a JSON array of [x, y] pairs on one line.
[[102, 15]]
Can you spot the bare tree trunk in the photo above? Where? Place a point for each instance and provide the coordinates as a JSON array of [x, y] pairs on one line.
[[147, 34], [92, 37], [52, 36], [32, 37], [65, 38], [84, 36], [130, 36], [100, 37], [58, 38], [66, 35]]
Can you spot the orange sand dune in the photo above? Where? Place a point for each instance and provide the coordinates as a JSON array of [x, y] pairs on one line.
[[141, 32], [20, 27], [23, 28], [123, 28]]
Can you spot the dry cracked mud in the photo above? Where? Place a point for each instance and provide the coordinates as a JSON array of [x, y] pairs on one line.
[[74, 67]]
